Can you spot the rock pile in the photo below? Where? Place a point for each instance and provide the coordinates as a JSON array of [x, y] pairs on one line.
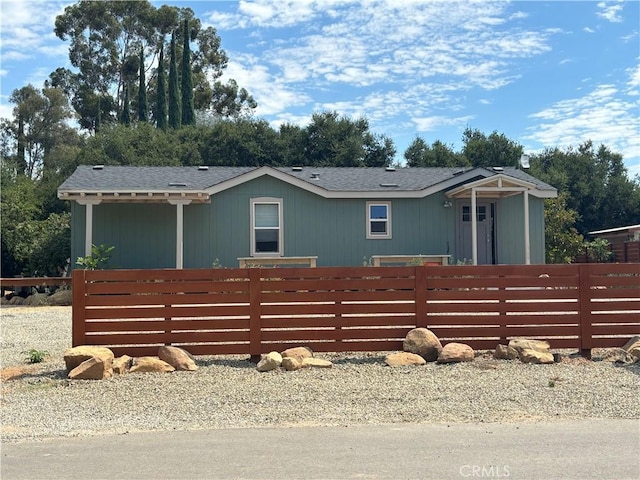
[[98, 363], [291, 359]]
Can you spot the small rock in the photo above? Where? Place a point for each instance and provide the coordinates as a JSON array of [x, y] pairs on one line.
[[456, 352], [94, 368], [298, 352], [150, 364], [177, 357], [619, 355], [291, 363], [529, 355], [633, 342], [423, 342], [121, 365], [316, 363], [505, 352], [401, 359], [270, 361]]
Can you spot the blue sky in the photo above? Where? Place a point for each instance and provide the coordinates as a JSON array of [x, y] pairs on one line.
[[545, 74]]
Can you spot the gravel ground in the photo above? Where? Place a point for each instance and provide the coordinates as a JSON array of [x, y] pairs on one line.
[[38, 401]]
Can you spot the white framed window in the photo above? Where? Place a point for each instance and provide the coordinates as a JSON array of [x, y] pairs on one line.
[[378, 220], [266, 227]]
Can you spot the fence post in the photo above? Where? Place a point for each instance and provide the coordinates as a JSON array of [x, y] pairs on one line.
[[78, 308], [584, 304], [255, 314], [420, 295]]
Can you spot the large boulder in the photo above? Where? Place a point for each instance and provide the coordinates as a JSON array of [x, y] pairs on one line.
[[177, 357], [270, 361], [401, 359], [456, 352], [94, 368], [76, 355], [150, 364], [298, 352], [423, 342]]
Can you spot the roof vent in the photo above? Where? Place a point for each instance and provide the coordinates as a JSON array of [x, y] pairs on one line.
[[203, 168], [98, 167], [458, 172], [296, 169], [388, 184], [177, 184], [315, 176], [498, 169], [390, 169]]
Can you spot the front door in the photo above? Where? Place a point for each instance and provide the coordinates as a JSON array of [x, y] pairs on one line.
[[485, 216]]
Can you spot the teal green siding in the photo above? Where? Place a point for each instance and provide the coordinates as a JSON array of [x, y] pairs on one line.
[[143, 234], [510, 230], [332, 229]]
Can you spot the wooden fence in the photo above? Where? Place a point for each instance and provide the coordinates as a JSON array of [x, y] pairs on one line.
[[253, 311]]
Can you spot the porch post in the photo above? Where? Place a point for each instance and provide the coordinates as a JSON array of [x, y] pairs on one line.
[[179, 230], [527, 243], [474, 228], [88, 222]]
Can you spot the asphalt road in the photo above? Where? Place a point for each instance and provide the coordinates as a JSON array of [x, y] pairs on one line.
[[585, 449]]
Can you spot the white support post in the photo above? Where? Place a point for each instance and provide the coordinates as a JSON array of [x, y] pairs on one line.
[[179, 230], [527, 243], [88, 222], [474, 228]]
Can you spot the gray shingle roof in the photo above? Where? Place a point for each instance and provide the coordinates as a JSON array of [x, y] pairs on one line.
[[333, 179]]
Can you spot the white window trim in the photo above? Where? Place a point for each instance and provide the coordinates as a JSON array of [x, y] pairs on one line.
[[252, 247], [373, 236]]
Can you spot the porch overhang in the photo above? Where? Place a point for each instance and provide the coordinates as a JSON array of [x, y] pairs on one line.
[[133, 196]]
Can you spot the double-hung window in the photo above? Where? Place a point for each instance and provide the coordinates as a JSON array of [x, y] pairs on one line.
[[266, 227], [378, 220]]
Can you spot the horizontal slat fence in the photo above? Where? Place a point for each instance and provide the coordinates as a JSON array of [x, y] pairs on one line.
[[253, 311]]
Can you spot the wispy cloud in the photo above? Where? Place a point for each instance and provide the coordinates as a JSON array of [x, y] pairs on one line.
[[609, 11], [607, 115]]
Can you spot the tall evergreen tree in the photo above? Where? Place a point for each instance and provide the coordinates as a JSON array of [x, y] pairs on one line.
[[125, 116], [161, 100], [188, 113], [175, 115], [143, 108]]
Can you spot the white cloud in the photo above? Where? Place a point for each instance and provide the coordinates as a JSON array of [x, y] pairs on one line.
[[610, 12], [605, 116], [427, 124]]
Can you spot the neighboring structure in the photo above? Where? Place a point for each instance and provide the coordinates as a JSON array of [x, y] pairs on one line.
[[624, 241], [193, 217]]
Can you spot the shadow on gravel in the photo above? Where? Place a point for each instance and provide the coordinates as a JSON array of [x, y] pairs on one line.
[[225, 362]]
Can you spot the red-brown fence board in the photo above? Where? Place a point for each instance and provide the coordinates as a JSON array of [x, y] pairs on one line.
[[252, 311]]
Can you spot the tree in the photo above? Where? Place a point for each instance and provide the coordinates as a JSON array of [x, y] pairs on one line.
[[596, 184], [38, 125], [161, 102], [494, 150], [103, 35], [563, 242], [439, 154], [175, 115], [143, 108], [342, 142], [188, 113]]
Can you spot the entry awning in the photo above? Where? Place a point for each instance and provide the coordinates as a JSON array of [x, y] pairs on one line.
[[498, 186]]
